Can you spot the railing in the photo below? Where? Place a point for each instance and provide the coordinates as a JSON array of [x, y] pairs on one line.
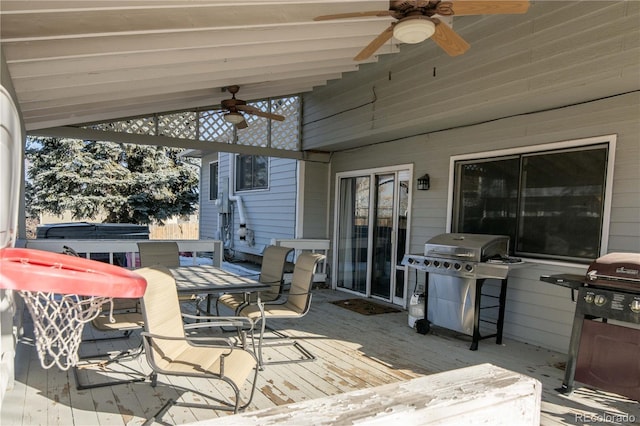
[[125, 252], [312, 245]]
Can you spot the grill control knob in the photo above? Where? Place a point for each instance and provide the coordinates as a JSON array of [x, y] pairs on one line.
[[412, 260], [446, 265], [436, 263], [426, 262], [600, 300], [468, 267], [457, 266], [589, 298], [635, 306]]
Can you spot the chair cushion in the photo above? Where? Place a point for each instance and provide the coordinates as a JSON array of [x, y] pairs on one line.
[[284, 310], [198, 360], [125, 321], [234, 300]]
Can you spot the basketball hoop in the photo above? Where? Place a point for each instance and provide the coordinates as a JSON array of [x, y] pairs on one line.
[[62, 294]]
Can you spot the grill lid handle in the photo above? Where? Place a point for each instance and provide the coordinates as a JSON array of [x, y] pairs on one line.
[[440, 253]]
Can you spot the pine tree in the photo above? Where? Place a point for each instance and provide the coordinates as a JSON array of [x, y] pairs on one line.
[[127, 183]]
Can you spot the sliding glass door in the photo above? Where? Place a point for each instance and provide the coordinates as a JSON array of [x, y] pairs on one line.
[[371, 220]]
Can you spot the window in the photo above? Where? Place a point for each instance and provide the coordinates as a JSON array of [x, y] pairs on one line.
[[213, 180], [550, 203], [252, 172]]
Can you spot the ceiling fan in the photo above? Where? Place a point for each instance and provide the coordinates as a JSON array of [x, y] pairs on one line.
[[236, 107], [416, 21]]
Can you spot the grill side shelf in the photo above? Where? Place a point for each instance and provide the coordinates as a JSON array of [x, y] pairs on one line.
[[572, 281]]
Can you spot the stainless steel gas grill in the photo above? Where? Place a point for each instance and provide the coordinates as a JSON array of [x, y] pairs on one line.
[[603, 353], [457, 266]]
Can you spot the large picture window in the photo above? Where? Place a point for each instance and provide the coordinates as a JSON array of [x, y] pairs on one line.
[[550, 203], [252, 172]]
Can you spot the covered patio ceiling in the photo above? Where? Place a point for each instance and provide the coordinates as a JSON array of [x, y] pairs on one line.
[[78, 61]]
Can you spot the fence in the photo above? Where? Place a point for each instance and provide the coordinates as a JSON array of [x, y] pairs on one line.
[[175, 231], [111, 250]]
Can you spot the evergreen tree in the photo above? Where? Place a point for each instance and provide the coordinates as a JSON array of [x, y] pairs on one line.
[[127, 183]]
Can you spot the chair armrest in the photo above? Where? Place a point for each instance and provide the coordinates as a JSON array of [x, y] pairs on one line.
[[227, 345], [215, 321]]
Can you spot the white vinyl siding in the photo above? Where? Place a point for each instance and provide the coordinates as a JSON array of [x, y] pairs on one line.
[[269, 213], [208, 210]]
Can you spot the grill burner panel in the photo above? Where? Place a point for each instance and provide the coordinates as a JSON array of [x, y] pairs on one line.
[[457, 268]]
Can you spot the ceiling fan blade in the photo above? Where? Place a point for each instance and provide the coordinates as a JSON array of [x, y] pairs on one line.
[[255, 111], [375, 44], [242, 125], [353, 15], [471, 7], [449, 40]]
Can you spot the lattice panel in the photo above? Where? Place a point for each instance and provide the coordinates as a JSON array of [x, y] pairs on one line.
[[136, 126], [257, 134], [286, 134], [180, 125], [213, 128]]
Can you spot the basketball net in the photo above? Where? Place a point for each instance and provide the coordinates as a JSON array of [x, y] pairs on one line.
[[58, 321]]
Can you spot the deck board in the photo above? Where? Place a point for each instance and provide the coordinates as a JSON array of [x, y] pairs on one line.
[[353, 352]]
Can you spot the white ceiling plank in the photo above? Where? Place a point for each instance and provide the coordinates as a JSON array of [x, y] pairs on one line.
[[194, 82], [91, 60], [52, 23], [111, 110], [98, 45], [194, 72], [185, 57], [211, 97], [107, 111]]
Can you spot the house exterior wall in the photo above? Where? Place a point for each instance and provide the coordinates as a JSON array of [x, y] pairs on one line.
[[269, 213], [312, 222], [208, 208], [568, 72], [536, 312]]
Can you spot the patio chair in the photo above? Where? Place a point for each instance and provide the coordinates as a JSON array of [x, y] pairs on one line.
[[164, 253], [170, 351], [124, 318], [295, 304], [271, 272]]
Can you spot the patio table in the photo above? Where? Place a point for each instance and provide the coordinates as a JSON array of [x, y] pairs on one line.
[[211, 280]]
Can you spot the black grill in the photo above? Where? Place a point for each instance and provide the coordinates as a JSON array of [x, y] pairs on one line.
[[609, 291]]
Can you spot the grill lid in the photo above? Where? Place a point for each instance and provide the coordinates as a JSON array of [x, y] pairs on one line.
[[470, 247], [615, 270]]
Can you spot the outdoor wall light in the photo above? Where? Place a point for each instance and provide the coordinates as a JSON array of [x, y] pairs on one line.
[[423, 182]]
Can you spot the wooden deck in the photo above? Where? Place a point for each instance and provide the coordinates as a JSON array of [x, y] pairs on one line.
[[354, 351]]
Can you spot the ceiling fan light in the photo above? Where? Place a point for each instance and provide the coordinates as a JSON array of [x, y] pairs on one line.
[[233, 117], [414, 31]]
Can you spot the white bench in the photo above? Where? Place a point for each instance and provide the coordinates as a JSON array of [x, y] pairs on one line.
[[482, 394]]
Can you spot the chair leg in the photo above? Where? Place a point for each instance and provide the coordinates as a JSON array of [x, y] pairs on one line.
[[234, 407], [285, 341], [153, 377], [141, 377]]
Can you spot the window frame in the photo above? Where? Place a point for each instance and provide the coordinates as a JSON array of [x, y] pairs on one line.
[[609, 140], [253, 188], [212, 196]]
